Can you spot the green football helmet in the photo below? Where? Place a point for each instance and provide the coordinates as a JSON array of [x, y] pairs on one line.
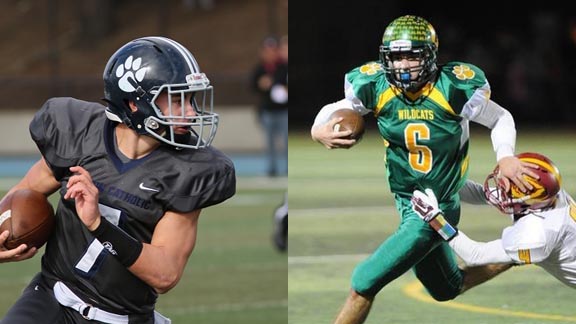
[[413, 37]]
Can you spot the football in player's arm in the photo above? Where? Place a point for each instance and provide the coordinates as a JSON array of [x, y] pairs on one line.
[[542, 231], [133, 177]]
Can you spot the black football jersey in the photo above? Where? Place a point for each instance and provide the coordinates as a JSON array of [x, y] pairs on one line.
[[133, 195]]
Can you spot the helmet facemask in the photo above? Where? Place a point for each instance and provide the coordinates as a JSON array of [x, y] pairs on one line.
[[403, 77], [168, 126]]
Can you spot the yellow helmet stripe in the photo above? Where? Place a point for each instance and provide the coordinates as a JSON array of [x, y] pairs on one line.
[[550, 168]]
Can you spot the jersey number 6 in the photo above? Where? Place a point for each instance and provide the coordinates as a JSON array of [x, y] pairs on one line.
[[419, 156]]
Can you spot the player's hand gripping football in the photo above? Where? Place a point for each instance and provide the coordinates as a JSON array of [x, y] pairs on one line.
[[425, 205], [19, 253], [81, 188], [330, 138]]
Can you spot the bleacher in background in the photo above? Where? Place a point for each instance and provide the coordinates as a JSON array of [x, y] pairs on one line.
[[60, 47]]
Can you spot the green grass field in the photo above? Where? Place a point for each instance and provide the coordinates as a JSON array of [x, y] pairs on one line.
[[341, 210], [234, 275]]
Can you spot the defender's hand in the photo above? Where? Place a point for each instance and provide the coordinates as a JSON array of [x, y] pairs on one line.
[[425, 204]]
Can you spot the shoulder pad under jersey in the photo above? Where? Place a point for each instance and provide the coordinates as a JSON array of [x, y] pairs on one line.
[[366, 82], [464, 76], [196, 179], [66, 128]]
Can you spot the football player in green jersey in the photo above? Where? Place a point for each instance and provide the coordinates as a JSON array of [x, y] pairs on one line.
[[423, 111]]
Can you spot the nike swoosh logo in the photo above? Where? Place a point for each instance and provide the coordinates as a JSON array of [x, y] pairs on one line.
[[143, 187]]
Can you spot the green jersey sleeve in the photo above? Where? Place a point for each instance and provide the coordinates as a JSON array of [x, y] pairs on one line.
[[463, 83], [364, 83]]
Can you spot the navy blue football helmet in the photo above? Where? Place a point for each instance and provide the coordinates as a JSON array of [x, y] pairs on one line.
[[144, 68]]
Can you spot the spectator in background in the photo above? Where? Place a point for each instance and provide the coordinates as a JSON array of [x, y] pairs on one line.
[[279, 93], [270, 80], [279, 90]]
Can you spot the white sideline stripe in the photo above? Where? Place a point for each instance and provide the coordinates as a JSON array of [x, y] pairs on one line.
[[231, 307], [262, 183], [248, 200], [321, 259], [384, 209]]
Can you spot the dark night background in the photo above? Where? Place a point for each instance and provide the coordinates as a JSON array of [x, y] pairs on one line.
[[528, 55]]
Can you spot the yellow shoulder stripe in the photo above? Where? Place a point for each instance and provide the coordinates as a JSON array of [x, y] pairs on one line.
[[438, 98], [464, 166], [383, 99], [428, 90]]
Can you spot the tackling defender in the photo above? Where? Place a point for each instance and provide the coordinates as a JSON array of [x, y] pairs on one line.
[[422, 111], [133, 178], [543, 228]]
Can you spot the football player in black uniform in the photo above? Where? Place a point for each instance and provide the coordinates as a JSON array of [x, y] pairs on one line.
[[133, 177]]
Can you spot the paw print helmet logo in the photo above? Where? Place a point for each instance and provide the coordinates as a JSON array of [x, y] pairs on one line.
[[147, 70], [130, 74]]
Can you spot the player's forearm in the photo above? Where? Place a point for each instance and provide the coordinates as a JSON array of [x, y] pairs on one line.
[[479, 253], [501, 122], [159, 266], [162, 262], [155, 267], [503, 135], [323, 116], [38, 178], [472, 193]]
